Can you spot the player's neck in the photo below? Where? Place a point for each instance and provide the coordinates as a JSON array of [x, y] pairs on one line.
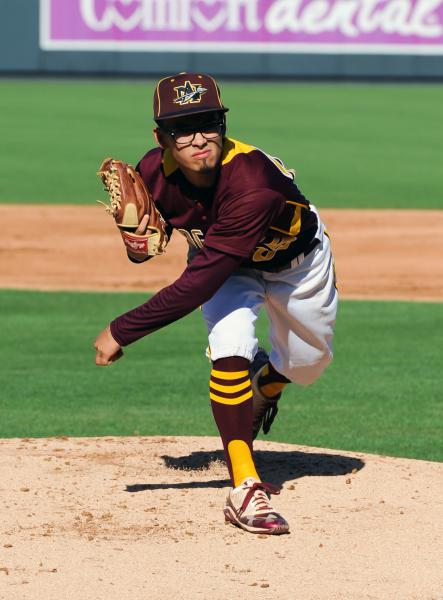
[[204, 179]]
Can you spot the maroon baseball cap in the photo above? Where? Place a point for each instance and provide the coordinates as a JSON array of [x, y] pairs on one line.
[[186, 94]]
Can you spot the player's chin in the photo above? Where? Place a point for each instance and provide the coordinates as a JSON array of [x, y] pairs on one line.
[[206, 168], [206, 165]]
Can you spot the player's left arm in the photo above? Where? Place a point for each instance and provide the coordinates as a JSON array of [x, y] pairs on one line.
[[143, 229]]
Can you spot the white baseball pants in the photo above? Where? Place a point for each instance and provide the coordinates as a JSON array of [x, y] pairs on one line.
[[301, 303]]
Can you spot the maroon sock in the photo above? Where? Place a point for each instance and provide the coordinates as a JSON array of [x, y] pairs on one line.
[[270, 382], [231, 401]]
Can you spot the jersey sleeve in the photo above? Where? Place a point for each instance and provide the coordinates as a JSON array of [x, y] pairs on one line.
[[197, 284], [243, 221]]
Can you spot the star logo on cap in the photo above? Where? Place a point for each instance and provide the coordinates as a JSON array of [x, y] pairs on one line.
[[189, 93]]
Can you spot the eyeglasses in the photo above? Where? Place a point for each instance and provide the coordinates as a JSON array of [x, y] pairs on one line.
[[186, 135]]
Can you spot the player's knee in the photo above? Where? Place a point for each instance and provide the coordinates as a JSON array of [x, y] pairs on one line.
[[308, 374], [222, 346], [233, 335], [218, 352]]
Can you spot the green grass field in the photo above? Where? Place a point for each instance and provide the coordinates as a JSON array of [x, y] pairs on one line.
[[381, 394], [352, 145]]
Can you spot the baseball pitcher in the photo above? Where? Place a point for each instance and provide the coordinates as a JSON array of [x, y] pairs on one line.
[[254, 241]]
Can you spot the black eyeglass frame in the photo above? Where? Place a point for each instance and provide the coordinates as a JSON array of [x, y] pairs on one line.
[[220, 125]]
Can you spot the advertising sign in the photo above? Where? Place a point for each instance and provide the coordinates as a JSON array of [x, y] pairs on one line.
[[286, 26]]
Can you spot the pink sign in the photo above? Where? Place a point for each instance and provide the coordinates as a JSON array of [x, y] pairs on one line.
[[311, 26]]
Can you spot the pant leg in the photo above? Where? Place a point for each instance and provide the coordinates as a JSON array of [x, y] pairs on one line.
[[231, 315], [302, 303]]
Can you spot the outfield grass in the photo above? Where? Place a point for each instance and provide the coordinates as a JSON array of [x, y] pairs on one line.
[[352, 145], [382, 394]]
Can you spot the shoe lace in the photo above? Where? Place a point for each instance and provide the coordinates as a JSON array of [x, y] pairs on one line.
[[259, 494]]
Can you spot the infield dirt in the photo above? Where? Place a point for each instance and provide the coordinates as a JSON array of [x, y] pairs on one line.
[[138, 518], [383, 254], [141, 518]]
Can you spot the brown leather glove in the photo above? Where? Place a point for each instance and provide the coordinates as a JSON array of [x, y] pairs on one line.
[[129, 202]]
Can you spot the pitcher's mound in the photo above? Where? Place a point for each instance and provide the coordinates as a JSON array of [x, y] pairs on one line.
[[138, 518]]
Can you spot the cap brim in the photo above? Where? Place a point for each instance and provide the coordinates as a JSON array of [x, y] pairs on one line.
[[191, 111]]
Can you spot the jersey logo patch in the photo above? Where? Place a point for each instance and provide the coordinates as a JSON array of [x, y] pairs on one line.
[[190, 93]]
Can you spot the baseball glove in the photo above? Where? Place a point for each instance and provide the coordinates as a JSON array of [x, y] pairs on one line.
[[129, 202]]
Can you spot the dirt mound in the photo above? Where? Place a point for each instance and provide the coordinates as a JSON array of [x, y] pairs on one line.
[[112, 518]]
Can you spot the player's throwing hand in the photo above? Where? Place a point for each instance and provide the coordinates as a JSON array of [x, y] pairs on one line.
[[107, 351]]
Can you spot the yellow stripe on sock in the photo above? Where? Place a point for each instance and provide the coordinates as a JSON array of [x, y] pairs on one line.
[[265, 370], [237, 400], [241, 461], [272, 389], [230, 389], [228, 375]]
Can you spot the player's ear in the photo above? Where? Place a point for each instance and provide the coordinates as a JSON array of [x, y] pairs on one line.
[[159, 137]]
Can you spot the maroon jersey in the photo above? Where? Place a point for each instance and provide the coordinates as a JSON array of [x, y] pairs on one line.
[[254, 210], [254, 216]]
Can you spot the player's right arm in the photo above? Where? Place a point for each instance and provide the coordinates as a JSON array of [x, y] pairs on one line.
[[227, 244], [208, 270], [107, 350]]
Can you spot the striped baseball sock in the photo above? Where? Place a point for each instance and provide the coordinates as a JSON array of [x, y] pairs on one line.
[[231, 401], [271, 382]]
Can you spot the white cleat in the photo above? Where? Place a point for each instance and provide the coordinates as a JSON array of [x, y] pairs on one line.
[[248, 506]]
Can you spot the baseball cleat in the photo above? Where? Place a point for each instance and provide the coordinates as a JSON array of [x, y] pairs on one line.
[[264, 409], [247, 506]]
